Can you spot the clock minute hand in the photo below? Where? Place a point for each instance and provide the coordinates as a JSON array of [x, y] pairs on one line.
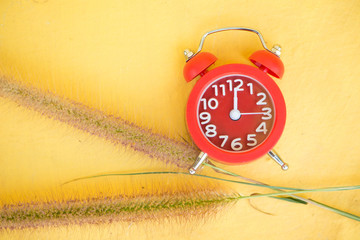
[[235, 100], [235, 113]]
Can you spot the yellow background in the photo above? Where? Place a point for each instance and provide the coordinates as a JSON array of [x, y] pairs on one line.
[[125, 58]]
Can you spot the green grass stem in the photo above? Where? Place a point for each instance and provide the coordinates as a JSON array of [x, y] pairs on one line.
[[276, 194]]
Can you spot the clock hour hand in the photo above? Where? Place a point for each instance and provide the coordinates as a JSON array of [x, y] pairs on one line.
[[235, 113], [253, 113]]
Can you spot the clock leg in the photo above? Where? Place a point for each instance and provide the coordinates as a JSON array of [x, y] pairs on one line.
[[199, 160], [278, 160]]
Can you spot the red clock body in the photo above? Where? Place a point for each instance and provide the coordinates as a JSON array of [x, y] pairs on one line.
[[235, 113]]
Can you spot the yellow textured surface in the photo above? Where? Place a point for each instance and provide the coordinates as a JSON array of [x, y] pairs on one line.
[[125, 58]]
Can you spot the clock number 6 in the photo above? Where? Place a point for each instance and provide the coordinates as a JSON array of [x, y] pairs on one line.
[[236, 145]]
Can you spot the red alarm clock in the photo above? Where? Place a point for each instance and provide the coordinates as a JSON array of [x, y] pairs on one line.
[[236, 112]]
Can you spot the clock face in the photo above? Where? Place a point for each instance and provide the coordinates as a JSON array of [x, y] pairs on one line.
[[236, 113]]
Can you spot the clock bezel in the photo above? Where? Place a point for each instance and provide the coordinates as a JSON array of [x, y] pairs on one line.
[[235, 157]]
